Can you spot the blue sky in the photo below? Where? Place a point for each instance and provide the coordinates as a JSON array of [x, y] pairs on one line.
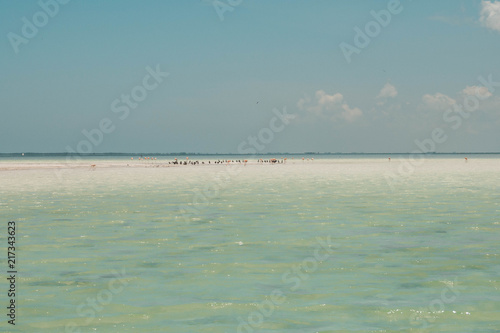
[[227, 75]]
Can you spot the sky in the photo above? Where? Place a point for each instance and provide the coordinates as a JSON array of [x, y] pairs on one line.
[[229, 76]]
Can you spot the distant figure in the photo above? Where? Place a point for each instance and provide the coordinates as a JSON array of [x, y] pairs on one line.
[[389, 159], [466, 159]]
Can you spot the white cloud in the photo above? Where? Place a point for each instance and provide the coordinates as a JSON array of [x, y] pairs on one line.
[[481, 92], [438, 101], [349, 114], [442, 102], [388, 91], [490, 14], [328, 102], [332, 106]]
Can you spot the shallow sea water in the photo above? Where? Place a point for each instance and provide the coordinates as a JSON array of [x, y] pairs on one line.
[[330, 245]]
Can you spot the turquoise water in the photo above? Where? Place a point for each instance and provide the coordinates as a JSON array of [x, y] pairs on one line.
[[338, 244]]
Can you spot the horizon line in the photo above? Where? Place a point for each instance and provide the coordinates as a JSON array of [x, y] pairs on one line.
[[269, 153]]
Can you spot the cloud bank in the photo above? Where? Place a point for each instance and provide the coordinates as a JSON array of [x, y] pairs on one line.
[[329, 106], [388, 91], [438, 101]]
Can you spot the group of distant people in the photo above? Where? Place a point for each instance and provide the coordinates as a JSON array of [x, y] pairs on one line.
[[219, 161], [175, 162]]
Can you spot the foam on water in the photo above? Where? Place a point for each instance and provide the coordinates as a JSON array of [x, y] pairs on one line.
[[206, 248]]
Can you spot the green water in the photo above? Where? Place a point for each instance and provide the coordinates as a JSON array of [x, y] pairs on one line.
[[307, 246]]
